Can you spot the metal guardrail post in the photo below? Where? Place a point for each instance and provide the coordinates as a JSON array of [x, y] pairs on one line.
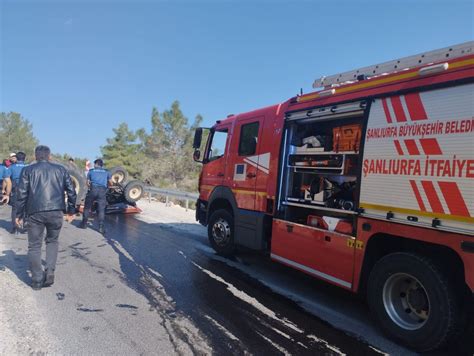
[[186, 196]]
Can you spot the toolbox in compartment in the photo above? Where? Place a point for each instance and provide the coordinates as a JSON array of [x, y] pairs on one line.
[[346, 138]]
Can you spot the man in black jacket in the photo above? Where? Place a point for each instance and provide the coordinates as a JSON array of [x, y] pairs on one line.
[[40, 197]]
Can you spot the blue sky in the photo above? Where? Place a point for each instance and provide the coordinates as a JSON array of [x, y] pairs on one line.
[[76, 69]]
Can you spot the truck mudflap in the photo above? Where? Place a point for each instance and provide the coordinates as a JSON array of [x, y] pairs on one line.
[[201, 212], [467, 249]]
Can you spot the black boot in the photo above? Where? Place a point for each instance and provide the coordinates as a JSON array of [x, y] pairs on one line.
[[83, 224], [102, 229], [14, 231], [48, 278]]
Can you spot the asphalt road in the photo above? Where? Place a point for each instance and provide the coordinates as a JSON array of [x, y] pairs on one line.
[[155, 287]]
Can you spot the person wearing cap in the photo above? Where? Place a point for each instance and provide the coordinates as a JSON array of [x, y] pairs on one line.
[[12, 158], [15, 173], [98, 179]]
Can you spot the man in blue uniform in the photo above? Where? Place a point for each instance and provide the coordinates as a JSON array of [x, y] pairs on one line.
[[15, 174], [98, 179]]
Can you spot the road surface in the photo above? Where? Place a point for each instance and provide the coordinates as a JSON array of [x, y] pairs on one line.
[[153, 285]]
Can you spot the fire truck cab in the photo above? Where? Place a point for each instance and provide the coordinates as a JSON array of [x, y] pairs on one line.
[[367, 183]]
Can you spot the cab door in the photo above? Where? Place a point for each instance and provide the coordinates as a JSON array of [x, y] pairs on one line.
[[248, 133], [215, 158]]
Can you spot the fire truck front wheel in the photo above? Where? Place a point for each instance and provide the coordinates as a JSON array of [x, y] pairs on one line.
[[221, 232], [413, 301]]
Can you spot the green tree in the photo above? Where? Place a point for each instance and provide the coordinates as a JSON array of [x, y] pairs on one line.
[[125, 149], [16, 134], [168, 149]]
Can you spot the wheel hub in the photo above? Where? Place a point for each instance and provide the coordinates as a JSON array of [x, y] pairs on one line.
[[135, 193], [417, 299], [406, 301], [221, 232]]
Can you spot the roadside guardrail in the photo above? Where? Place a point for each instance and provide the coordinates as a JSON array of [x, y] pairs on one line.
[[186, 196]]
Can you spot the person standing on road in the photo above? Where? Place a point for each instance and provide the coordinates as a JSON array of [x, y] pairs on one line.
[[5, 183], [40, 197], [98, 179], [15, 173]]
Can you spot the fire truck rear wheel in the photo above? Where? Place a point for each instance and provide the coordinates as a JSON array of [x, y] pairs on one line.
[[221, 232], [413, 301]]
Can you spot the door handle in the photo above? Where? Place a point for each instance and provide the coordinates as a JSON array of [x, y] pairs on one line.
[[220, 174], [251, 175]]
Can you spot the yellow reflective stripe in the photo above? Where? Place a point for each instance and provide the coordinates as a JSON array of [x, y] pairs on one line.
[[466, 62], [251, 192], [207, 187], [416, 212]]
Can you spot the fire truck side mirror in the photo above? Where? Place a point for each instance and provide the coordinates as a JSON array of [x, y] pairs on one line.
[[197, 138], [197, 155]]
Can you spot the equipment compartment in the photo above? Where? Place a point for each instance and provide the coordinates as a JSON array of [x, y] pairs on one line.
[[320, 167]]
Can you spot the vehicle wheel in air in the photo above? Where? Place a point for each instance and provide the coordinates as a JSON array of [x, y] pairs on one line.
[[133, 191], [79, 183], [221, 232], [413, 301], [119, 175]]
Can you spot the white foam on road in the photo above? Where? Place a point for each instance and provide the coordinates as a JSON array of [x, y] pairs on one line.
[[122, 250], [351, 321], [250, 300], [153, 272], [325, 343], [275, 345], [222, 328], [281, 333]]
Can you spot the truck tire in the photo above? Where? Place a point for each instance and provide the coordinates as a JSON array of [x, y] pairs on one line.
[[79, 183], [119, 175], [221, 232], [133, 191], [414, 302]]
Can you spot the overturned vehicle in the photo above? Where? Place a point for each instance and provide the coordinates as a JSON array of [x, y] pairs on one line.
[[121, 197]]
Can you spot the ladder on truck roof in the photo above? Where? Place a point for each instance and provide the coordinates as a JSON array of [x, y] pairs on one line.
[[396, 65]]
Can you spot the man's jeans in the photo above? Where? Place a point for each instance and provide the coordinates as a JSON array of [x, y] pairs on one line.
[[97, 194], [12, 202], [52, 221]]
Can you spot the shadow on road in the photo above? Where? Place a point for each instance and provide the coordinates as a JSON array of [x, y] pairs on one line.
[[17, 263]]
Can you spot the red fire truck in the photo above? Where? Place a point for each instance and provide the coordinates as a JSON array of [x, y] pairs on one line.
[[367, 183]]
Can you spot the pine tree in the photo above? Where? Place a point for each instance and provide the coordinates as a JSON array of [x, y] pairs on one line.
[[168, 149], [16, 134], [125, 150]]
